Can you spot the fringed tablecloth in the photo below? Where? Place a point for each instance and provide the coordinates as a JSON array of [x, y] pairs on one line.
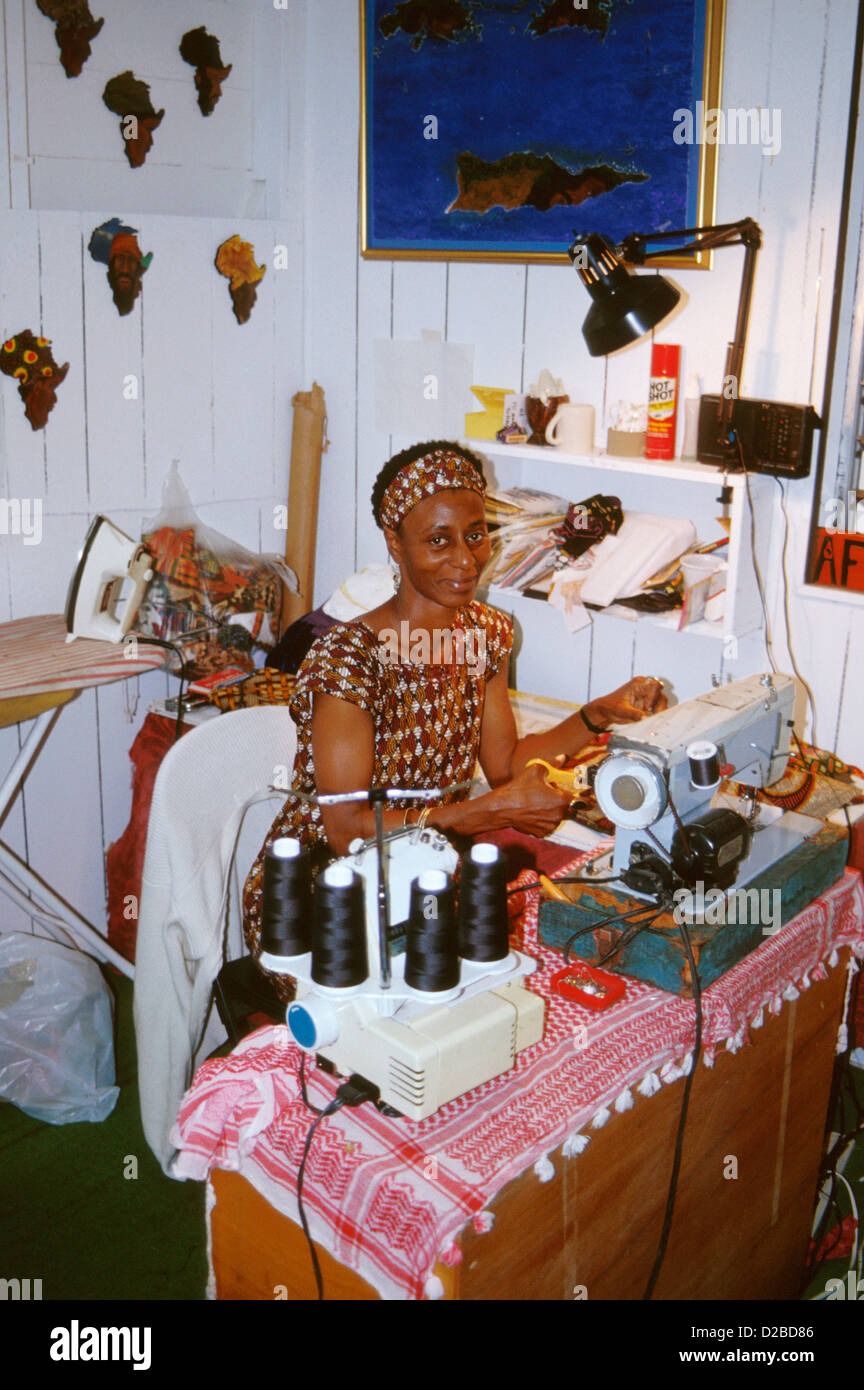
[[389, 1197]]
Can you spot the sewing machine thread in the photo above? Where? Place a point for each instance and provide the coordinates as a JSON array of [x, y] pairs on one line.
[[483, 920], [432, 951], [286, 910], [339, 959]]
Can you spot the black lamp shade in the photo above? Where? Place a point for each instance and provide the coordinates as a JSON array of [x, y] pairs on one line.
[[626, 306]]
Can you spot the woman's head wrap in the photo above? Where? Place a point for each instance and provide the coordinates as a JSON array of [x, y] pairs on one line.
[[433, 472]]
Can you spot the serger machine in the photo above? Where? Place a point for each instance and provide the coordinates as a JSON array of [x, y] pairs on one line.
[[659, 780], [425, 1023]]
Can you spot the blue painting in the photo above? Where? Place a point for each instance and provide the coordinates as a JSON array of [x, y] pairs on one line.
[[496, 129]]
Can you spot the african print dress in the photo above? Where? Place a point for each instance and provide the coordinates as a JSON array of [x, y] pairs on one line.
[[427, 720]]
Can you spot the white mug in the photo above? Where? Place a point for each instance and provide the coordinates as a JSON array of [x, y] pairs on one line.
[[572, 428]]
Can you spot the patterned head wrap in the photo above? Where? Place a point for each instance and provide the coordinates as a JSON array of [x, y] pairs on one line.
[[432, 473]]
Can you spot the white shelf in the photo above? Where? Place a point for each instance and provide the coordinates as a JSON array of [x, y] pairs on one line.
[[663, 487], [679, 470], [667, 620]]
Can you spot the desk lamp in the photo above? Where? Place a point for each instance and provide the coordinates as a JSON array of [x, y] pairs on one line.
[[762, 435]]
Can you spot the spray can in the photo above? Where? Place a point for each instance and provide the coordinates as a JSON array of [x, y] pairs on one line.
[[663, 401]]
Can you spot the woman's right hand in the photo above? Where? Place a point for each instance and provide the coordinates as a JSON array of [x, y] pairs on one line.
[[528, 804]]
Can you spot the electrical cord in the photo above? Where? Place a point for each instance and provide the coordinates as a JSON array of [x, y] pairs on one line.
[[769, 639], [682, 1119], [171, 647], [785, 572], [353, 1092], [565, 878], [654, 909]]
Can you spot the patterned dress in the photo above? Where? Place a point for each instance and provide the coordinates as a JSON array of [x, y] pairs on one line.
[[427, 720]]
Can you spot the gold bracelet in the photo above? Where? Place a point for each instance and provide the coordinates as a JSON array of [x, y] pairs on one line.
[[424, 816]]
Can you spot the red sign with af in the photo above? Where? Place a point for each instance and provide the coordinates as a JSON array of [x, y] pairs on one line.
[[838, 559]]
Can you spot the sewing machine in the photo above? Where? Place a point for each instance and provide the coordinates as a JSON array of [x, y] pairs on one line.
[[421, 1050], [658, 783], [734, 869]]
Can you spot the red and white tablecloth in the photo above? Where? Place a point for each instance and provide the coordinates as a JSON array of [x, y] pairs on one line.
[[388, 1197]]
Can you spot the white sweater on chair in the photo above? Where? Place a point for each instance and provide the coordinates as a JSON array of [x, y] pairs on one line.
[[199, 796]]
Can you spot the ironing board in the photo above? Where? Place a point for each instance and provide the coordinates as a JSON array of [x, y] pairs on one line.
[[39, 673]]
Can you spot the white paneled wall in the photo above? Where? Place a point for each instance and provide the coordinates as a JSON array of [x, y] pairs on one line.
[[278, 163], [793, 58], [227, 163], [178, 378]]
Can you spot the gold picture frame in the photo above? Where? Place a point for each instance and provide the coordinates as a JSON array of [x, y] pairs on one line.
[[387, 147]]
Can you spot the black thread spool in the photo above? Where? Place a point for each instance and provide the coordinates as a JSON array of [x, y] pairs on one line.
[[704, 765], [286, 908], [432, 951], [483, 920], [339, 958]]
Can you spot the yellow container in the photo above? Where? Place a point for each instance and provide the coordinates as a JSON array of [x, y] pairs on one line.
[[485, 424]]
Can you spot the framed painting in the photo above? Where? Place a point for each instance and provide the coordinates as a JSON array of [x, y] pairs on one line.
[[494, 129]]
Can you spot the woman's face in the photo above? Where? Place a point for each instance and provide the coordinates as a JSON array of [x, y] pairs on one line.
[[442, 546]]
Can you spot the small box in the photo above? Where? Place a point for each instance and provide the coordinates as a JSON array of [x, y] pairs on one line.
[[485, 424]]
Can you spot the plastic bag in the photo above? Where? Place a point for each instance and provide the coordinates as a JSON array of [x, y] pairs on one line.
[[219, 602], [56, 1032]]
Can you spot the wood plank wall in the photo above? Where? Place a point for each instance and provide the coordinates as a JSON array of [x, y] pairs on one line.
[[793, 58], [278, 162], [177, 378]]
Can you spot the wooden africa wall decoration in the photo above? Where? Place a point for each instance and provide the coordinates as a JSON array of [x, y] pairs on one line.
[[202, 50], [235, 259], [29, 361], [74, 27], [116, 245], [128, 97]]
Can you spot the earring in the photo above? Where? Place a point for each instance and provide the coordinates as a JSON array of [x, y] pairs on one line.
[[396, 576]]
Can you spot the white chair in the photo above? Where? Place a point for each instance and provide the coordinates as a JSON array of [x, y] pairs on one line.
[[189, 917]]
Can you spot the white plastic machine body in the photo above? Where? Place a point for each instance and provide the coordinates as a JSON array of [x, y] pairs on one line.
[[421, 1050], [646, 778]]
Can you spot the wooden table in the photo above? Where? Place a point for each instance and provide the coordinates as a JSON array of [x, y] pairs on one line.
[[760, 1114]]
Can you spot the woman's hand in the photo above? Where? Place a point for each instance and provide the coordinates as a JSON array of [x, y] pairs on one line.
[[526, 803], [637, 698]]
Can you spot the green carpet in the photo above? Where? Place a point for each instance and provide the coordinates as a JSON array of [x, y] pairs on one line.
[[72, 1218]]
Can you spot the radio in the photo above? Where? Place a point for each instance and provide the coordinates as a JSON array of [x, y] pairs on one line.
[[774, 437]]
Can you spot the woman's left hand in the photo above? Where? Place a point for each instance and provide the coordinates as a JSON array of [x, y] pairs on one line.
[[637, 698]]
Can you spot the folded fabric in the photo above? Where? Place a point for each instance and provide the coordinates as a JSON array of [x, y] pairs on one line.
[[359, 593], [643, 545]]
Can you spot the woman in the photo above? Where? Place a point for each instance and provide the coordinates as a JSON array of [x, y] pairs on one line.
[[415, 692]]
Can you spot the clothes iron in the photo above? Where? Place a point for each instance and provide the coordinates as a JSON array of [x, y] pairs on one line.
[[95, 605]]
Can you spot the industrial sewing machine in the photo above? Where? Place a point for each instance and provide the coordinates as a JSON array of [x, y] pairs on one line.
[[735, 869], [420, 1049], [658, 782]]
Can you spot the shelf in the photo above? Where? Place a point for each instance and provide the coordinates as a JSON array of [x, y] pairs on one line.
[[680, 470], [667, 621]]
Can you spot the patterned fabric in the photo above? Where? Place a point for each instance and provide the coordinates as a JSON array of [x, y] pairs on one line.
[[373, 1196], [815, 783], [426, 722], [265, 687], [424, 477]]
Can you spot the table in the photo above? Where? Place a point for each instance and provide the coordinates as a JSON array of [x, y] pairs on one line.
[[552, 1178], [39, 673]]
